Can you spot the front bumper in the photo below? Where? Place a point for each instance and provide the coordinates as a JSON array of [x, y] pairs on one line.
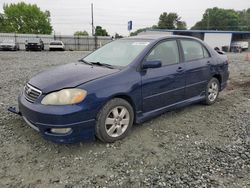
[[56, 48], [44, 118], [33, 47], [7, 48]]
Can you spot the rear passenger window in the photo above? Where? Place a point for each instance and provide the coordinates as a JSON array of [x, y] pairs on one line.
[[167, 52], [192, 50]]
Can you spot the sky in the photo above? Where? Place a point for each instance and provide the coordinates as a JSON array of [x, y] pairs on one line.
[[68, 16]]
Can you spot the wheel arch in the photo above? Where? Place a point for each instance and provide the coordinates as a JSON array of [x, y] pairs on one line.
[[219, 78], [126, 98]]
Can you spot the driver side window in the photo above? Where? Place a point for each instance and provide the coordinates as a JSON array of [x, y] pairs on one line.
[[167, 52]]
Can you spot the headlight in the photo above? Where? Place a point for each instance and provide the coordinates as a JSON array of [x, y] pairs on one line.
[[65, 97]]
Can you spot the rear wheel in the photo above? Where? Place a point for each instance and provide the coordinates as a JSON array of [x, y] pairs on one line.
[[212, 91], [114, 120]]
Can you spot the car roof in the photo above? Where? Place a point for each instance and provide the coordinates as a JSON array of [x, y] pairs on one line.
[[158, 37]]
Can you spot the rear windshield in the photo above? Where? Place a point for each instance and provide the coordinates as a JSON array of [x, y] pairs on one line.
[[56, 43]]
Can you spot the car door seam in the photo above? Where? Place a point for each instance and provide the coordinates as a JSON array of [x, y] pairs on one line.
[[165, 92]]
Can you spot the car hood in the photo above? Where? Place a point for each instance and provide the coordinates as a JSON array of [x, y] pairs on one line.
[[68, 76]]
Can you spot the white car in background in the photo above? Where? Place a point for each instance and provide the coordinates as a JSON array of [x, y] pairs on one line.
[[56, 45], [9, 45], [243, 45]]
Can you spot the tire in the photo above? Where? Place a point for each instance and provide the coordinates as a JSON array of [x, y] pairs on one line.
[[110, 119], [212, 91]]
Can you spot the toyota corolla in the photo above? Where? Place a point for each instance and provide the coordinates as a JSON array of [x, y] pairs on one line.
[[125, 82]]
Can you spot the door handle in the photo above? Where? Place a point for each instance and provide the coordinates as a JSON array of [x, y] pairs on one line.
[[180, 69], [208, 62]]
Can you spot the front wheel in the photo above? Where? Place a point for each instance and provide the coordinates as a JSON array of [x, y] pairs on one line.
[[212, 91], [114, 120]]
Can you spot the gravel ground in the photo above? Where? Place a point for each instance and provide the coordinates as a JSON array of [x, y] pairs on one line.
[[196, 146]]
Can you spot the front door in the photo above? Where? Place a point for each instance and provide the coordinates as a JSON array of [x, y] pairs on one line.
[[163, 86]]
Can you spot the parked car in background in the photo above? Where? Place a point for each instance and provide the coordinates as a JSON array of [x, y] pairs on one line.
[[56, 45], [9, 45], [34, 44], [239, 46], [124, 82]]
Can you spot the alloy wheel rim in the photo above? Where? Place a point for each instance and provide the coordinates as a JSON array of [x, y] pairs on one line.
[[213, 91], [117, 121]]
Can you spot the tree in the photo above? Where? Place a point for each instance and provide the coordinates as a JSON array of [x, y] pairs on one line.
[[244, 24], [166, 21], [181, 25], [219, 19], [117, 36], [139, 31], [2, 23], [26, 18], [170, 21], [99, 31], [81, 33]]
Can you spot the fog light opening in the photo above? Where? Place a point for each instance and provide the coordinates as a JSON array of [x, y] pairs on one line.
[[60, 130]]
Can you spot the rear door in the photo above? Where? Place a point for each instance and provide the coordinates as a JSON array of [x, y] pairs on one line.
[[163, 86], [197, 62]]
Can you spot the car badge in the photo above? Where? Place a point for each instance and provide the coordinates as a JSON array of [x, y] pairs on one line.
[[29, 91]]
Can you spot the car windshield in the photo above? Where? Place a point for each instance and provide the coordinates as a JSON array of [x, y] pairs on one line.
[[8, 41], [119, 53], [34, 40]]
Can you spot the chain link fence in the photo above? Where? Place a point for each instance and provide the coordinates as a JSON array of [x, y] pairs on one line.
[[84, 43]]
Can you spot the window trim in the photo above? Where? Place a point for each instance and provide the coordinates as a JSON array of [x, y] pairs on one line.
[[158, 43], [204, 48], [202, 45]]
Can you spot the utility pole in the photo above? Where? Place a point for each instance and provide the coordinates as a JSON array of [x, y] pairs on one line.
[[92, 16], [208, 24], [54, 35]]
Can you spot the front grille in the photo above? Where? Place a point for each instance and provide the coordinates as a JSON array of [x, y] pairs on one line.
[[31, 94], [33, 44]]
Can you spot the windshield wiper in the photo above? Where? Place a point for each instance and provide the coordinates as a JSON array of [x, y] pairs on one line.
[[96, 63], [102, 64], [82, 60]]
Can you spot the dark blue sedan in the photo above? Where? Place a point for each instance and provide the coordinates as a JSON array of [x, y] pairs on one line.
[[125, 82]]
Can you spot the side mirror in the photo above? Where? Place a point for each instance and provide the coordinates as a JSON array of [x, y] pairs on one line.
[[219, 51], [151, 64]]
